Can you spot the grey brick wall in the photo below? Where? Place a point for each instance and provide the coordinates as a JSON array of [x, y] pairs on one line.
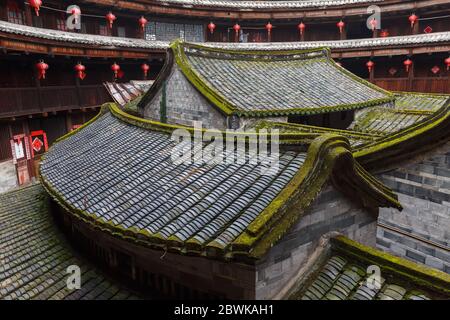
[[420, 223], [331, 211], [185, 104], [421, 232]]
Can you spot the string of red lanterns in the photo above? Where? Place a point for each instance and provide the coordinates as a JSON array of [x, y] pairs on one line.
[[110, 17], [301, 26], [80, 69]]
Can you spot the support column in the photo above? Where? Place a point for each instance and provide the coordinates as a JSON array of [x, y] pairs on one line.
[[77, 87], [28, 15], [411, 75]]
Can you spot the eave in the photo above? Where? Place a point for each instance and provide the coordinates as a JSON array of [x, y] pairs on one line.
[[272, 11], [46, 41]]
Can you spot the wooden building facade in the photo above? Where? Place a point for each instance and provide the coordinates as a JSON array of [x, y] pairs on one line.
[[61, 100]]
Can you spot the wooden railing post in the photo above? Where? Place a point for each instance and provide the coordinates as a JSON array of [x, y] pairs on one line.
[[38, 88], [411, 76], [77, 88]]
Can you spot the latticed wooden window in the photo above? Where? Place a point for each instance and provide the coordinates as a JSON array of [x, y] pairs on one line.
[[15, 15]]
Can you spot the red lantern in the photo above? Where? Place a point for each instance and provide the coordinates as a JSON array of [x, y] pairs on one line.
[[269, 28], [236, 28], [341, 25], [110, 17], [407, 63], [370, 65], [413, 19], [145, 67], [79, 68], [42, 67], [115, 68], [447, 62], [142, 22], [211, 27], [76, 12], [301, 27], [36, 4], [373, 24], [384, 33]]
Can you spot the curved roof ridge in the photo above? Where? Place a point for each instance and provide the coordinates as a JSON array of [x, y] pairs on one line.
[[107, 41], [269, 83]]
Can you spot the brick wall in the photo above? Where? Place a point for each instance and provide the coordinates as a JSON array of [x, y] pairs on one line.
[[331, 211], [421, 232], [185, 104]]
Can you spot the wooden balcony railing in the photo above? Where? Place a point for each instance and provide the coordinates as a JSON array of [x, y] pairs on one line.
[[417, 84], [23, 101]]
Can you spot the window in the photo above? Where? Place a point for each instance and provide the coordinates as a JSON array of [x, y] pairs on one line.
[[15, 15]]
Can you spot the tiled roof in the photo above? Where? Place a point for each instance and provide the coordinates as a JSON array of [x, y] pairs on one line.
[[111, 42], [355, 138], [397, 41], [35, 254], [80, 38], [345, 276], [122, 93], [409, 109], [378, 122], [275, 83], [341, 279], [265, 4], [117, 173], [125, 175]]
